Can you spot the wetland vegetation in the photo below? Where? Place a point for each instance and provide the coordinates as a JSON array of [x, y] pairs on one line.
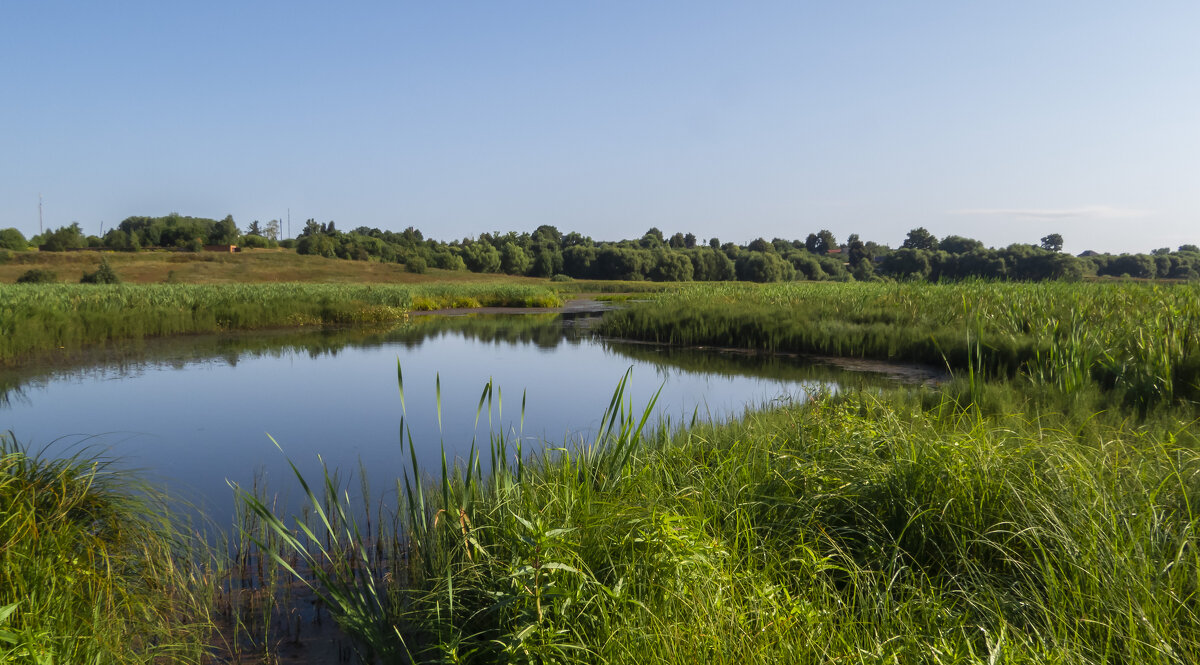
[[38, 317], [1037, 506]]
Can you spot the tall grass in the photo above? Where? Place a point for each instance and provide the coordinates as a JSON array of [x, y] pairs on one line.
[[43, 317], [92, 570], [1141, 340], [853, 528]]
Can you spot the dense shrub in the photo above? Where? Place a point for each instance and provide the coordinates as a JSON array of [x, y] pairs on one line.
[[104, 275], [416, 264], [37, 276]]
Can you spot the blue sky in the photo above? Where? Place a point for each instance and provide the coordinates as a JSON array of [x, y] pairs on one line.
[[999, 121]]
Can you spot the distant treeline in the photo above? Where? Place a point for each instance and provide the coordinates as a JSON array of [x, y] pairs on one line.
[[548, 253]]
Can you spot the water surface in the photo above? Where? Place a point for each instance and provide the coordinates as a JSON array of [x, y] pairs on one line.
[[198, 413]]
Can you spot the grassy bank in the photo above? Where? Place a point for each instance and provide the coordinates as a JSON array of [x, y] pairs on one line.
[[864, 528], [90, 569], [249, 266], [1140, 340], [44, 317]]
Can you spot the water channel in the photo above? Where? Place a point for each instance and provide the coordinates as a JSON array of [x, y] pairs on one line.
[[198, 413]]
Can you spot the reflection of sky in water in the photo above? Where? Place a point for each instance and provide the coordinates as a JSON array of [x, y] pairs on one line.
[[196, 426]]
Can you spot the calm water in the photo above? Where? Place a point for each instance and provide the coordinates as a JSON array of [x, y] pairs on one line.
[[195, 413]]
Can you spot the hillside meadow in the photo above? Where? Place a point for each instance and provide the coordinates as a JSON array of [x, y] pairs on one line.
[[248, 266]]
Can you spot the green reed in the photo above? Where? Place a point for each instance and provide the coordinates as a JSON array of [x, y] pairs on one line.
[[862, 528], [92, 567], [1141, 340], [44, 317]]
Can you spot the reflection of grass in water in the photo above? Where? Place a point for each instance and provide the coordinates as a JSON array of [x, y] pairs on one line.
[[45, 317], [545, 330], [754, 365], [853, 528], [1141, 341]]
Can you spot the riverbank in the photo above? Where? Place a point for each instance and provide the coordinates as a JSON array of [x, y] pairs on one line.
[[37, 318], [1139, 343]]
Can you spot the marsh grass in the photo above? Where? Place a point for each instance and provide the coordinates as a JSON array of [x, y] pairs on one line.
[[93, 569], [863, 528], [39, 317], [1140, 341]]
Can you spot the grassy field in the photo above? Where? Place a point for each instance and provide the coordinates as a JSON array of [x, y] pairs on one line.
[[249, 266]]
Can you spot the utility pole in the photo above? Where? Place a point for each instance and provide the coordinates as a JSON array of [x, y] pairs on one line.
[[40, 231]]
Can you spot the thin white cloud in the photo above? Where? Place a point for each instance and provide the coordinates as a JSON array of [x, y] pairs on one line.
[[1093, 212]]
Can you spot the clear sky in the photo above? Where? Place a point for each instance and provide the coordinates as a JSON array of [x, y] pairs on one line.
[[1002, 121]]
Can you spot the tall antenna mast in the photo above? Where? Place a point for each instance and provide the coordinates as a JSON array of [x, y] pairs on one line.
[[39, 213]]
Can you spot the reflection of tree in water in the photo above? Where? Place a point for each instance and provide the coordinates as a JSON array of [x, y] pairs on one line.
[[546, 331], [134, 356]]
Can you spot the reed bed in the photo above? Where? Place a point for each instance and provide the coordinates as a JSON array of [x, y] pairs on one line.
[[37, 318], [92, 567], [1141, 340], [854, 528]]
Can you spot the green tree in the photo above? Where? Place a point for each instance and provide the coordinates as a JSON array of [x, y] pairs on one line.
[[807, 266], [64, 238], [959, 244], [121, 241], [13, 239], [906, 263], [763, 267], [547, 234], [920, 238], [856, 251], [760, 245], [652, 238], [513, 259], [547, 260], [711, 265], [671, 266], [1052, 242], [481, 257], [825, 241]]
